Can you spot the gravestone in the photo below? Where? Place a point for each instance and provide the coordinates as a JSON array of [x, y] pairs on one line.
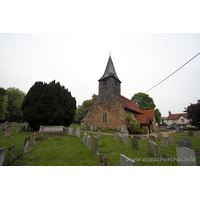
[[26, 144], [125, 161], [77, 132], [94, 145], [190, 133], [177, 130], [98, 134], [91, 127], [105, 161], [159, 136], [153, 148], [33, 140], [188, 140], [41, 128], [88, 142], [7, 133], [2, 155], [84, 138], [70, 131], [183, 144], [186, 156], [125, 140], [151, 138], [165, 142], [116, 137], [171, 138], [101, 157], [11, 152], [17, 130], [134, 142]]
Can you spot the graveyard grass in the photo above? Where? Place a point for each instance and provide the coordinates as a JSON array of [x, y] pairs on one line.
[[70, 150]]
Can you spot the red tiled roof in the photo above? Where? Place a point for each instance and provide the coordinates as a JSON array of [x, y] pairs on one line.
[[177, 116], [149, 112], [82, 120], [143, 119], [127, 103]]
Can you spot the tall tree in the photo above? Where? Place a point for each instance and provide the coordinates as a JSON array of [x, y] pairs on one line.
[[48, 104], [3, 104], [193, 111], [15, 99], [145, 102]]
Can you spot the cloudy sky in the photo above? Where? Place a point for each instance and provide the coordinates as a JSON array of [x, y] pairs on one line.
[[70, 43]]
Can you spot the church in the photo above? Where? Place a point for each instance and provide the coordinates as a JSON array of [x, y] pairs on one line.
[[111, 108]]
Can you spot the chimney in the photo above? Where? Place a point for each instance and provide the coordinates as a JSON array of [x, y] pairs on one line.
[[170, 113]]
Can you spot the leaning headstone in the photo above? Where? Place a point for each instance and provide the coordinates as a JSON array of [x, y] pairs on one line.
[[33, 140], [190, 133], [159, 136], [153, 148], [171, 138], [84, 138], [116, 137], [88, 142], [98, 134], [7, 133], [188, 140], [134, 142], [125, 161], [11, 152], [165, 142], [186, 156], [77, 132], [151, 138], [70, 131], [94, 145], [125, 140], [26, 144], [183, 144], [2, 155], [105, 161], [91, 127]]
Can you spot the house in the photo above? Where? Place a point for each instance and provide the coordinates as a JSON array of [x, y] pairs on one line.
[[176, 119], [111, 108]]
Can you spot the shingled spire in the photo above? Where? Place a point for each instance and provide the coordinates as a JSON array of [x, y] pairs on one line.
[[110, 70]]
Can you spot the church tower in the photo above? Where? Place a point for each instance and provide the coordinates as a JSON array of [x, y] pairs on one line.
[[109, 84]]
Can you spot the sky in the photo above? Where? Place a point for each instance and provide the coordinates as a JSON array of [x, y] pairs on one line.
[[78, 60]]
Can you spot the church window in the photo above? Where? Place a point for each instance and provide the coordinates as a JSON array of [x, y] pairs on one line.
[[104, 117], [105, 82]]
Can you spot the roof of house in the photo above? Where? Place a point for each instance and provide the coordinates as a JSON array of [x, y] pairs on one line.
[[143, 119], [127, 103], [177, 116], [82, 120], [150, 113], [110, 70]]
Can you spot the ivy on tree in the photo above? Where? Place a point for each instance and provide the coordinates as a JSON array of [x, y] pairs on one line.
[[48, 104]]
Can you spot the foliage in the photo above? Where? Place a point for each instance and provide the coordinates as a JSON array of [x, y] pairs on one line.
[[132, 124], [3, 103], [48, 104], [145, 129], [41, 137], [82, 110], [145, 102], [193, 111], [15, 99]]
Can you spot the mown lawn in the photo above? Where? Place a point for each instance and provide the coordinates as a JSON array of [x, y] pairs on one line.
[[70, 150]]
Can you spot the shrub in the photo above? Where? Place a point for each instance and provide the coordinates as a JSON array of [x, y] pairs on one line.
[[145, 129], [132, 124]]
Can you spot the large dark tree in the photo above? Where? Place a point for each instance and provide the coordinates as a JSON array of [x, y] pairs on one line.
[[194, 114], [48, 104]]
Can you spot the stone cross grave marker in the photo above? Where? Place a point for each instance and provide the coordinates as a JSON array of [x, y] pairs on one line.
[[165, 142], [190, 133], [153, 148], [183, 144], [88, 142], [188, 140], [84, 137], [151, 138], [125, 161], [2, 155], [171, 138], [26, 144], [98, 134], [186, 156], [94, 145], [125, 140], [11, 152], [134, 142], [159, 136], [70, 130], [78, 132], [33, 140], [7, 133], [116, 137]]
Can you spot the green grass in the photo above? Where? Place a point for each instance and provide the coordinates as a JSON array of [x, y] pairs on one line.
[[70, 150]]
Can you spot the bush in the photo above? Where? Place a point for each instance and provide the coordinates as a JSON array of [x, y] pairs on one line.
[[133, 125], [145, 129]]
